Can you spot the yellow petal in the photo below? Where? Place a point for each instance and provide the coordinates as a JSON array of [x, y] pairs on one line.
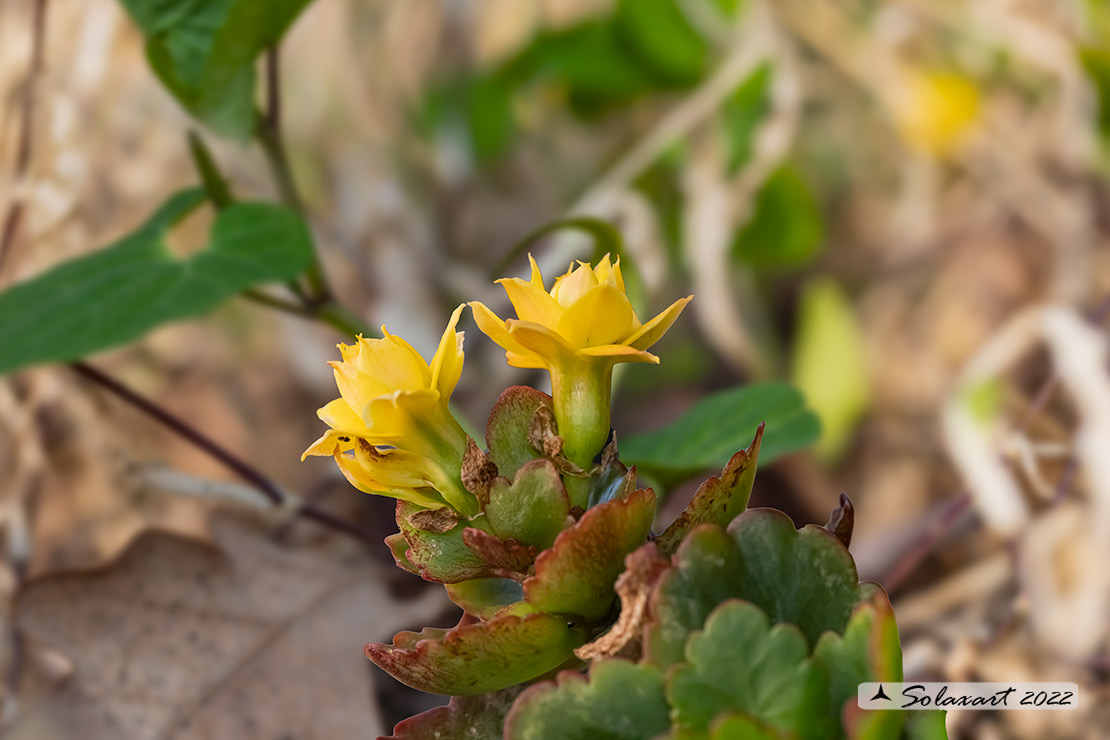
[[620, 353], [391, 363], [532, 302], [338, 414], [571, 286], [610, 273], [330, 443], [390, 418], [653, 331], [601, 316], [526, 360], [537, 276], [544, 343], [494, 327], [365, 480], [448, 360]]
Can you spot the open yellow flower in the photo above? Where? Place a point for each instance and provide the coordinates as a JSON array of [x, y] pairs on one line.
[[392, 432], [578, 331]]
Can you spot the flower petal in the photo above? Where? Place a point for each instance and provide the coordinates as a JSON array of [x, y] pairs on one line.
[[541, 341], [448, 360], [653, 331], [601, 316], [571, 286], [364, 480], [532, 302], [495, 328], [620, 353], [389, 418], [332, 442], [338, 414]]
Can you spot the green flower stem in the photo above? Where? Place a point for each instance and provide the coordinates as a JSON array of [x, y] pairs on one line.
[[445, 440], [581, 398]]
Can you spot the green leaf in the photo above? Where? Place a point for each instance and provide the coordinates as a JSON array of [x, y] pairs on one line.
[[658, 34], [621, 701], [706, 436], [718, 500], [576, 575], [533, 509], [204, 52], [507, 430], [707, 573], [123, 291], [742, 113], [830, 364], [785, 228], [442, 557], [479, 717], [484, 597], [741, 663], [928, 725], [478, 658], [823, 586]]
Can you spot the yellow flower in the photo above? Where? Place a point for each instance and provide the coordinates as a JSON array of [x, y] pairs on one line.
[[578, 331], [934, 111], [586, 315], [392, 432]]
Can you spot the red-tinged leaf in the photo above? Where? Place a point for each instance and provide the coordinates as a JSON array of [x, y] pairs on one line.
[[442, 557], [719, 499], [507, 429], [398, 547], [479, 717], [533, 509], [576, 575], [478, 658], [505, 557]]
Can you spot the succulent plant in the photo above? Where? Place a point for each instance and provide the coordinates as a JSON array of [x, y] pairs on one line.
[[579, 622]]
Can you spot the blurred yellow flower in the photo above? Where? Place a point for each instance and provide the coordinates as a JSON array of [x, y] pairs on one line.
[[934, 111], [578, 331], [586, 315], [391, 429]]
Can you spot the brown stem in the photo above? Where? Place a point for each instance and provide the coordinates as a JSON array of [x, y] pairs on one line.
[[237, 465]]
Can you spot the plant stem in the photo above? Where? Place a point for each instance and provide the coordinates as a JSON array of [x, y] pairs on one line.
[[240, 467], [215, 184]]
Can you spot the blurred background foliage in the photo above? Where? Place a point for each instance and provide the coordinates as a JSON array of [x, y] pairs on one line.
[[868, 199]]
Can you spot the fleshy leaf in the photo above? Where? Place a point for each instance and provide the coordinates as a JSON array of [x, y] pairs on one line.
[[119, 293], [706, 436], [576, 575], [398, 547], [507, 429], [533, 509], [480, 717], [613, 480], [718, 500], [621, 701], [437, 556], [741, 663], [478, 658], [869, 650], [706, 573], [484, 597], [732, 726], [824, 585], [926, 725]]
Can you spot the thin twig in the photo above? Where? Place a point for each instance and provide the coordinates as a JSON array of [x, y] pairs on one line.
[[26, 129], [926, 542], [240, 467]]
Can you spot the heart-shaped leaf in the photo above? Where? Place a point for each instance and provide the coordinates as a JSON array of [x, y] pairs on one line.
[[119, 293], [478, 658], [824, 585], [732, 726], [506, 558], [718, 500], [576, 575], [741, 663], [621, 701], [507, 429], [533, 509], [480, 717]]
